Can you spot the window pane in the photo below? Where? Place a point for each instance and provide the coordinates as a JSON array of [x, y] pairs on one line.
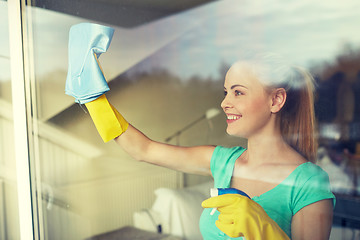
[[165, 67]]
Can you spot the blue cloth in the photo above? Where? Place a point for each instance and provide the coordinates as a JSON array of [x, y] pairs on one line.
[[307, 184], [85, 80]]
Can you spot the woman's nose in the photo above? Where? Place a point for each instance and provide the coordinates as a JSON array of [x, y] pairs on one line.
[[225, 103]]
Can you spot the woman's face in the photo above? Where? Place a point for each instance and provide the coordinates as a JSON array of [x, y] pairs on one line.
[[246, 103]]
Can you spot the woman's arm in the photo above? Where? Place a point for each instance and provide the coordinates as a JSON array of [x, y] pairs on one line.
[[87, 84], [313, 221], [194, 160]]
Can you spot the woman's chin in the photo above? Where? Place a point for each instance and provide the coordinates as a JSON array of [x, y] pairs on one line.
[[234, 133], [238, 131]]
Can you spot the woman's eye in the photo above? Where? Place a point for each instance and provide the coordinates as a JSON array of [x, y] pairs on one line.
[[225, 93], [238, 93]]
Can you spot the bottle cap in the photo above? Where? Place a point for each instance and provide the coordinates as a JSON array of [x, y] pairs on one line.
[[214, 192]]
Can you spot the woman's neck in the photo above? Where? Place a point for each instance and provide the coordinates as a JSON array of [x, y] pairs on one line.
[[266, 149]]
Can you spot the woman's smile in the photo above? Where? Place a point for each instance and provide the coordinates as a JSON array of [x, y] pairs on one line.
[[230, 118]]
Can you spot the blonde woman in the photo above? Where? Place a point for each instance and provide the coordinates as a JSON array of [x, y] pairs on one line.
[[267, 102]]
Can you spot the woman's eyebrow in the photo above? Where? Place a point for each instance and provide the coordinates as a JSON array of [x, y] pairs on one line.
[[237, 85]]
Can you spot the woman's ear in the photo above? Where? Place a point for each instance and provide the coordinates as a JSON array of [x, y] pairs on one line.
[[278, 99]]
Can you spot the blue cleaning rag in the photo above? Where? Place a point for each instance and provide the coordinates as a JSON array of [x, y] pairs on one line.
[[85, 80]]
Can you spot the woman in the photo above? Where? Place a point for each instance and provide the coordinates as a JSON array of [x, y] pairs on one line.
[[270, 104]]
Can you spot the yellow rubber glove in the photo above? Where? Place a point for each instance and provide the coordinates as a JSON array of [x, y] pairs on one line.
[[242, 217], [108, 121]]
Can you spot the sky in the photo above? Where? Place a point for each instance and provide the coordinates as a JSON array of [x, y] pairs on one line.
[[197, 41], [303, 31]]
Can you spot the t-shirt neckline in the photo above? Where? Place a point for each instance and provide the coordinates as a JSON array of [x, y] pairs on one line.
[[288, 178]]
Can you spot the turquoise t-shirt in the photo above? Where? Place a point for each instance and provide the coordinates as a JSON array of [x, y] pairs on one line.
[[307, 184]]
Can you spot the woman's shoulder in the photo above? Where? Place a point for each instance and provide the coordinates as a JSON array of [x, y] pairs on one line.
[[228, 150], [226, 154], [311, 176], [223, 159], [311, 169], [311, 185]]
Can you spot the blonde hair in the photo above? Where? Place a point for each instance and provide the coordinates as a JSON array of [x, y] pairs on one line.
[[297, 116]]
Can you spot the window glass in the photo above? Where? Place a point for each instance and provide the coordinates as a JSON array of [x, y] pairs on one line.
[[165, 68]]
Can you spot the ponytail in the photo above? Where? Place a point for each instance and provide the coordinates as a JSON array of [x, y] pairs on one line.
[[297, 117]]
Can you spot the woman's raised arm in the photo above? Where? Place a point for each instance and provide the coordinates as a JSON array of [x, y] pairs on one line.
[[194, 160]]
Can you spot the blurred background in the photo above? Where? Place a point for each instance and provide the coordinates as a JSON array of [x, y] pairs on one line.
[[165, 68]]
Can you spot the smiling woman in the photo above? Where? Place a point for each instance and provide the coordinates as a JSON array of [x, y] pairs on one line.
[[292, 86], [256, 107], [257, 111]]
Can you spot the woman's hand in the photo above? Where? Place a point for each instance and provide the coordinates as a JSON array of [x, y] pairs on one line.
[[243, 217]]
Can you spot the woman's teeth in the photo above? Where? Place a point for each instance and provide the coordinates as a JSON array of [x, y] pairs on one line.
[[233, 117]]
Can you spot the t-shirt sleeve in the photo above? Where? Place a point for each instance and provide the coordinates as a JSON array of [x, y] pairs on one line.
[[222, 164], [315, 187]]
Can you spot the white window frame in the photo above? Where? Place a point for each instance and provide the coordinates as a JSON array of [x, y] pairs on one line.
[[22, 156]]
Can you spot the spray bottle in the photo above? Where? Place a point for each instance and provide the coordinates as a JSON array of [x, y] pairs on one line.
[[220, 191]]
